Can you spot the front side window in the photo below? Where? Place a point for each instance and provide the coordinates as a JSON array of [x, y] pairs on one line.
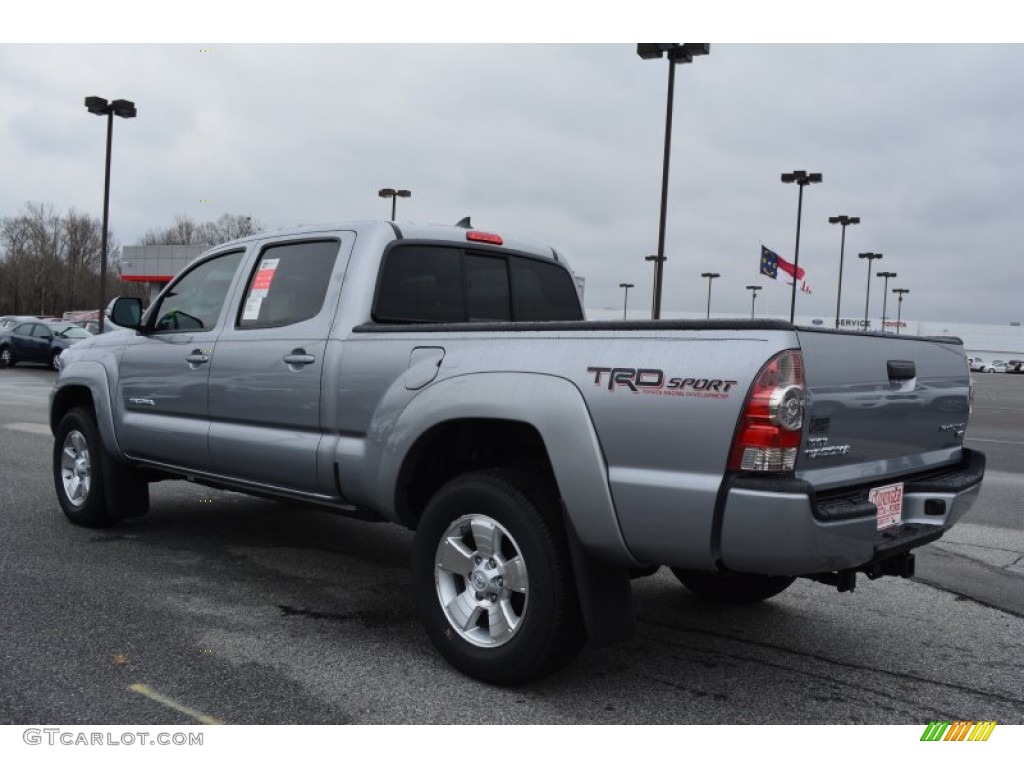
[[195, 301], [288, 284]]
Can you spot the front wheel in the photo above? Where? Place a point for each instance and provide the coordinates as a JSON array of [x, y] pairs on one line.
[[93, 488], [55, 359], [734, 588], [493, 578]]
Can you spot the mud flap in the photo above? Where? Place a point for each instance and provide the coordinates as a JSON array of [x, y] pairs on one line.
[[605, 594]]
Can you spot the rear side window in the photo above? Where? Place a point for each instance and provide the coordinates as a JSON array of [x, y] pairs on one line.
[[288, 284], [437, 284]]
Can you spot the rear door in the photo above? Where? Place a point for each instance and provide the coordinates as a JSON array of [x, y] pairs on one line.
[[880, 405], [265, 376]]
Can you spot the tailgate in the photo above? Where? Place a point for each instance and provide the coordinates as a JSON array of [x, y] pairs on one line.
[[880, 406]]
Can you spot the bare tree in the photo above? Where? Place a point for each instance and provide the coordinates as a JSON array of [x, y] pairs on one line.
[[186, 231], [49, 263]]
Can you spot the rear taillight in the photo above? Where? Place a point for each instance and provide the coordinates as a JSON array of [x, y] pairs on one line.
[[768, 436]]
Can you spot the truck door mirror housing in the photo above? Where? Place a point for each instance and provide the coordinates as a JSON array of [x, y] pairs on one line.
[[126, 311]]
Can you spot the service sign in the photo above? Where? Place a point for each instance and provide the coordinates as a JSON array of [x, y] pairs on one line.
[[889, 501]]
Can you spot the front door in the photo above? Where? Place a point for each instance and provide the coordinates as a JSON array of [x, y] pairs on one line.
[[162, 390]]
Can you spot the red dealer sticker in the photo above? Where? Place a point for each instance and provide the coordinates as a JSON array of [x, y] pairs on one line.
[[889, 500], [265, 275]]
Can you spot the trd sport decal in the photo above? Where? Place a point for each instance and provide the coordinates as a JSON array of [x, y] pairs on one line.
[[653, 381]]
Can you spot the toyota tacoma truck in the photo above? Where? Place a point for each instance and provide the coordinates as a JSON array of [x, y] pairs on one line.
[[444, 378]]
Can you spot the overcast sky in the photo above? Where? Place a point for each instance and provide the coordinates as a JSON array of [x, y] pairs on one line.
[[563, 144]]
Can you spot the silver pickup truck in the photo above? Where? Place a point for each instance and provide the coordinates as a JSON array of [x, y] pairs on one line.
[[444, 378]]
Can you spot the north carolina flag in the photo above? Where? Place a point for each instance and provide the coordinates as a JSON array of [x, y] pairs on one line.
[[777, 268]]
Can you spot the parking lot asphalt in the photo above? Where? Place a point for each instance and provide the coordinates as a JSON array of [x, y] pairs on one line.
[[242, 610]]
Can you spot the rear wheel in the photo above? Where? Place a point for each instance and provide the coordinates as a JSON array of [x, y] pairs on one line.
[[735, 588], [6, 357], [94, 490], [493, 578]]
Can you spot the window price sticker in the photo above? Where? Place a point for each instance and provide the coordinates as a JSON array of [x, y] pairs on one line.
[[889, 501], [260, 289]]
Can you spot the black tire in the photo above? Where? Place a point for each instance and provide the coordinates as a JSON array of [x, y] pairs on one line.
[[7, 357], [55, 359], [524, 620], [734, 588], [94, 490]]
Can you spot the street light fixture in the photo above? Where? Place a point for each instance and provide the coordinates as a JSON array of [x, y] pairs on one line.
[[802, 179], [121, 108], [625, 298], [844, 221], [885, 293], [753, 297], [710, 276], [867, 300], [899, 307], [394, 194], [677, 53]]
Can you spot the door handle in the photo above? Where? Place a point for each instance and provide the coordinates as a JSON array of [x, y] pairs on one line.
[[197, 358], [298, 358]]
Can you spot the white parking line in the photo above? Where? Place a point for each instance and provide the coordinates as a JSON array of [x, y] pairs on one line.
[[26, 426]]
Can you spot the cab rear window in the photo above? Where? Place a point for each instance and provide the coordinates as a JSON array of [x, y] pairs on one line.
[[437, 284]]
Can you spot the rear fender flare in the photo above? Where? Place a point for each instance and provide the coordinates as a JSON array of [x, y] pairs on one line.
[[555, 408]]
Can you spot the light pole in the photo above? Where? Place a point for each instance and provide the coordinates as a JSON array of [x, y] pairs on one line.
[[899, 306], [677, 53], [394, 194], [753, 297], [121, 108], [885, 293], [710, 276], [802, 179], [655, 299], [845, 221], [625, 298], [867, 300]]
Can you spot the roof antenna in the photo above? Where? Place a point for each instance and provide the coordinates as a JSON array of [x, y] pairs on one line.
[[464, 223]]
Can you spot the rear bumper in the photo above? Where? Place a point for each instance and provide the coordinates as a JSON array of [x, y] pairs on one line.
[[781, 526]]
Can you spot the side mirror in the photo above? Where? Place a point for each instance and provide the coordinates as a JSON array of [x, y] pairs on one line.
[[126, 311]]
